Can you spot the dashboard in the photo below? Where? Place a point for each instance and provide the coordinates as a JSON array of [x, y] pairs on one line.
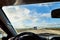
[[50, 36], [33, 36]]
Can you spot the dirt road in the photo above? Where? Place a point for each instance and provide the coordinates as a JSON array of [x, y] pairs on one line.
[[43, 31]]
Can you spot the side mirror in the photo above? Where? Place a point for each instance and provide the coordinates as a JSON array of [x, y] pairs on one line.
[[55, 13]]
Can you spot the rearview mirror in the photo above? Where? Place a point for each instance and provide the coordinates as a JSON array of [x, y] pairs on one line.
[[55, 13]]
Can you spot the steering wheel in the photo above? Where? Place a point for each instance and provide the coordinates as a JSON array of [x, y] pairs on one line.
[[27, 36]]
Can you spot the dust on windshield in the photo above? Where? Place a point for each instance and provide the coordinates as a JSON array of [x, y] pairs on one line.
[[34, 18]]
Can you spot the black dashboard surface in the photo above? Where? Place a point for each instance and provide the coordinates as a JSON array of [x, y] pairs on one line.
[[49, 36]]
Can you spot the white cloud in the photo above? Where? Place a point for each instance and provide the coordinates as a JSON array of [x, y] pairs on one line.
[[45, 4], [21, 14], [48, 15]]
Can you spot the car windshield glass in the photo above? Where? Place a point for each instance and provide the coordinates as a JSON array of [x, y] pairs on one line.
[[34, 18]]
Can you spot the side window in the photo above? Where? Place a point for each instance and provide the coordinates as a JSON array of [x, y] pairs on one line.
[[2, 34]]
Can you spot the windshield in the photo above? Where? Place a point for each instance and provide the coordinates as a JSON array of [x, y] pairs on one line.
[[34, 18]]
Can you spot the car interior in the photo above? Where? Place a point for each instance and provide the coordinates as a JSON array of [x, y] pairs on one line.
[[30, 20]]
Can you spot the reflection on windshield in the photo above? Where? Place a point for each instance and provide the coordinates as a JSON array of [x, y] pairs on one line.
[[33, 17]]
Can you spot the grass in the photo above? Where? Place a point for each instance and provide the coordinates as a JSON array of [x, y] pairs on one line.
[[20, 30], [0, 39], [53, 29]]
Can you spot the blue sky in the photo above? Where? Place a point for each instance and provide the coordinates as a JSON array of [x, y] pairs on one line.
[[31, 15]]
